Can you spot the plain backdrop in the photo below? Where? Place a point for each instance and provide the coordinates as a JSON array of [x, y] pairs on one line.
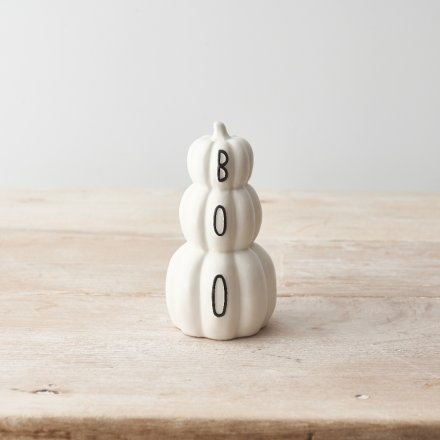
[[332, 95]]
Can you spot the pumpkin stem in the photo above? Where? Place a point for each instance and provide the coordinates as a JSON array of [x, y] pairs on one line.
[[220, 130]]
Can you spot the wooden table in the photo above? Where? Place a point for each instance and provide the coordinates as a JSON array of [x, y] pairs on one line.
[[87, 349]]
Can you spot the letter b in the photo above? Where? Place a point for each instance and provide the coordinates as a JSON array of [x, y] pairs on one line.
[[221, 165]]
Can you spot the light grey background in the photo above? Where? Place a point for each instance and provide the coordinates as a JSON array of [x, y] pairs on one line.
[[331, 94]]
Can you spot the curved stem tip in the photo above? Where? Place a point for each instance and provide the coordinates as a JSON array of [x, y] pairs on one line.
[[220, 130]]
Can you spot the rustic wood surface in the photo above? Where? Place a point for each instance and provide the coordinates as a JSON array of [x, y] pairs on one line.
[[87, 349]]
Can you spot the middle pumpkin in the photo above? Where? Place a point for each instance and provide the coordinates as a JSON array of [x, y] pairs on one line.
[[220, 220]]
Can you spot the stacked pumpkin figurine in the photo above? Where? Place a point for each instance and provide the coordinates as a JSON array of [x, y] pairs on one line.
[[220, 284]]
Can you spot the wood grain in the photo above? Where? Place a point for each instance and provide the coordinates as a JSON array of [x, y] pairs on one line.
[[87, 349]]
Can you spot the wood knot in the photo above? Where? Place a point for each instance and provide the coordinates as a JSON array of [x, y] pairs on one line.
[[45, 391]]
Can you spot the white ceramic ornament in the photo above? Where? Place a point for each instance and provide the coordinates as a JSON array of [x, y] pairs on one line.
[[220, 284]]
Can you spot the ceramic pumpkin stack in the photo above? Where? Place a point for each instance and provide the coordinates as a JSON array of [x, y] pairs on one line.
[[220, 284]]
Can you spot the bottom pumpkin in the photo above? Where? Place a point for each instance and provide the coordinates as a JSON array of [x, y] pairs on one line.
[[220, 295]]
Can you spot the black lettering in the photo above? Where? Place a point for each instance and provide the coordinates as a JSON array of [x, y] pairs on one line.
[[225, 296], [223, 210], [222, 165]]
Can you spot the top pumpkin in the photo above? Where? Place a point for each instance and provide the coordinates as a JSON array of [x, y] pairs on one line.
[[220, 161]]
